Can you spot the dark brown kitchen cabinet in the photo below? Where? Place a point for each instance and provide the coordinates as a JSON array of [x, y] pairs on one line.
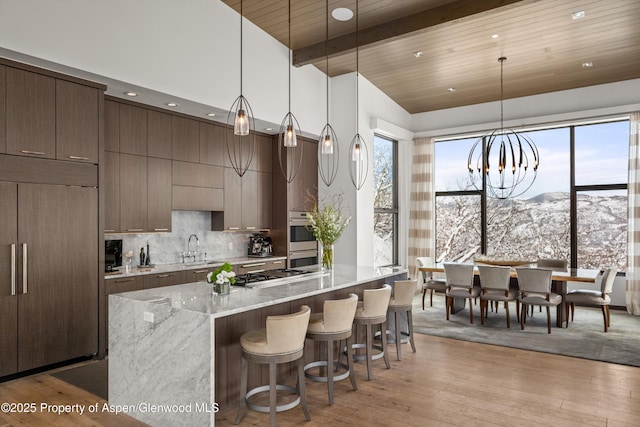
[[185, 139], [112, 192], [30, 114], [231, 218], [197, 275], [212, 144], [133, 129], [76, 122], [306, 182], [112, 126], [116, 286], [9, 251], [158, 134], [49, 310], [133, 193], [158, 194], [264, 153], [164, 279], [249, 198], [3, 110], [264, 199]]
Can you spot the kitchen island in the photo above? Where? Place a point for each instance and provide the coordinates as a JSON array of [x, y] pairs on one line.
[[174, 352]]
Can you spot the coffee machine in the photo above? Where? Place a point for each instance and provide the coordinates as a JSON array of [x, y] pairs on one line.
[[260, 246]]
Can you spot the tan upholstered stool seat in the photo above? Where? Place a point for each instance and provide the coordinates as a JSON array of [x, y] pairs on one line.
[[402, 302], [372, 311], [280, 342], [333, 325]]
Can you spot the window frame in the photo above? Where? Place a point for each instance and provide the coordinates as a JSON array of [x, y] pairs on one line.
[[394, 211]]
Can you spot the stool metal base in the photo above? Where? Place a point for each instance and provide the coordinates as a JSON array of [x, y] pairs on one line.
[[279, 408], [323, 378]]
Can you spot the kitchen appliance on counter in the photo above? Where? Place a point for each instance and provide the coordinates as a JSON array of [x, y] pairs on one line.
[[303, 246], [260, 246], [112, 255]]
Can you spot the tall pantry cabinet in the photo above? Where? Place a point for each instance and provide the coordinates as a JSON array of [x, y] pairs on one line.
[[49, 223]]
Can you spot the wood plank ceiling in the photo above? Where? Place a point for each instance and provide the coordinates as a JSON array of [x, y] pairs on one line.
[[545, 47]]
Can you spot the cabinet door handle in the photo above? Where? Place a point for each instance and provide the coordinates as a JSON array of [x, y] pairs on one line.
[[251, 227], [199, 271], [162, 276], [24, 268], [13, 269], [233, 228], [254, 265], [134, 229], [124, 280], [37, 153], [160, 229], [109, 231], [78, 158]]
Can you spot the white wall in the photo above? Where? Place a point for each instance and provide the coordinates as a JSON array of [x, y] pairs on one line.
[[356, 244], [189, 49]]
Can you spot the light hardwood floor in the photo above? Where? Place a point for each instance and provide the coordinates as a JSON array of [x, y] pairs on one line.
[[446, 383]]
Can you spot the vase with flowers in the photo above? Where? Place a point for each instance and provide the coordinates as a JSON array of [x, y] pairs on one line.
[[222, 278], [327, 222]]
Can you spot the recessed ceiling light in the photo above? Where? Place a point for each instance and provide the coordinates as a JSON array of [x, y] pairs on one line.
[[451, 89], [495, 36], [578, 14], [172, 104], [587, 64], [130, 93], [211, 114], [418, 54], [342, 14]]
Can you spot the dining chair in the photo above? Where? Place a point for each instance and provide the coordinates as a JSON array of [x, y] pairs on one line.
[[460, 285], [535, 289], [495, 287], [554, 264], [428, 282], [604, 279]]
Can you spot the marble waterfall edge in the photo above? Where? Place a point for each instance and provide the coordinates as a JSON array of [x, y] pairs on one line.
[[148, 377]]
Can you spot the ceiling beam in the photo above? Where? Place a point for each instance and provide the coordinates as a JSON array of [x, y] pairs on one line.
[[396, 28]]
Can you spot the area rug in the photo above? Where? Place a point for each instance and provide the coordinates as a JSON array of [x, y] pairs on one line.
[[92, 377], [585, 337]]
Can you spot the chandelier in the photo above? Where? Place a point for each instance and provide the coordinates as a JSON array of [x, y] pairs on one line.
[[504, 162]]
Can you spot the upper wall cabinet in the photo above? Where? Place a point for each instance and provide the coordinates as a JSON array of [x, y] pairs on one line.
[[158, 134], [212, 144], [112, 126], [133, 130], [3, 111], [185, 139], [31, 114], [76, 122]]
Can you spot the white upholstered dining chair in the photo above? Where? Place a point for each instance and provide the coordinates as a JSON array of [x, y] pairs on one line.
[[460, 285], [598, 297], [535, 289], [428, 282], [494, 287]]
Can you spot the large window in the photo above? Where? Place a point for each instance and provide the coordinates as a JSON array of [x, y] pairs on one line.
[[385, 204], [575, 210]]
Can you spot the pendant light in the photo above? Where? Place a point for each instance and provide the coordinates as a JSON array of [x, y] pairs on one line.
[[358, 151], [289, 151], [328, 153], [240, 142], [506, 162]]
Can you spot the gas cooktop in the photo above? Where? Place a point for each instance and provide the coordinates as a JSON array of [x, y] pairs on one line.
[[257, 279]]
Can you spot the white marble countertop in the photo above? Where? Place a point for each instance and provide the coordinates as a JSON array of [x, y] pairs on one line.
[[199, 296], [159, 269]]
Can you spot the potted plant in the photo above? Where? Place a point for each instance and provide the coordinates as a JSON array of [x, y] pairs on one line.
[[222, 278], [327, 224]]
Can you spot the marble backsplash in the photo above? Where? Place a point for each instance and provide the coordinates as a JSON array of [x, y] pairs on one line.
[[167, 248]]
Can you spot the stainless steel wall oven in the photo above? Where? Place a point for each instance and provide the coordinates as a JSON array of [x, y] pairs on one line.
[[303, 247]]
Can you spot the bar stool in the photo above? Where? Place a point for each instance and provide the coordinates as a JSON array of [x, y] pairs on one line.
[[372, 310], [333, 324], [402, 302], [281, 341]]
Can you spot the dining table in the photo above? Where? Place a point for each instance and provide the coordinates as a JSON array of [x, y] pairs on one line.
[[559, 279]]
